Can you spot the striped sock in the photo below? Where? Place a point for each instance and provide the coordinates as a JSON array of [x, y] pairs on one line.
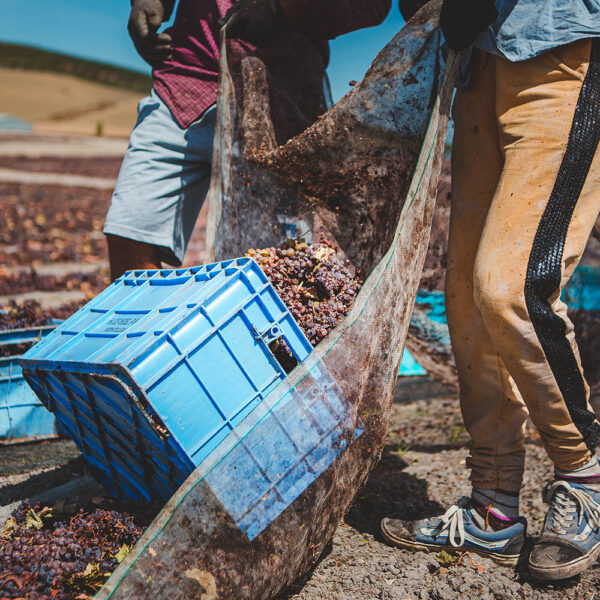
[[588, 475], [495, 509]]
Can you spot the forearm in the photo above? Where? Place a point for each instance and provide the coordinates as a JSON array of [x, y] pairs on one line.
[[330, 18]]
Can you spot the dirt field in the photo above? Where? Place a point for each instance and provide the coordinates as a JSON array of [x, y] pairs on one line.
[[57, 228], [420, 473], [60, 103]]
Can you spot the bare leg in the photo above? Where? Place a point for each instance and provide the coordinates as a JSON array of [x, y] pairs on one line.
[[125, 254]]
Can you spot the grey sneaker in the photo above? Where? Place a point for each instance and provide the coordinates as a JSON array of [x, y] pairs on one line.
[[456, 531], [570, 540]]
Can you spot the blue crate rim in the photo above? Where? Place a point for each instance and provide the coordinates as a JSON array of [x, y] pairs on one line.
[[113, 372], [25, 335]]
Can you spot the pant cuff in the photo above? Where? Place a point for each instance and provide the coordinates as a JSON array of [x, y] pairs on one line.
[[573, 465], [501, 483]]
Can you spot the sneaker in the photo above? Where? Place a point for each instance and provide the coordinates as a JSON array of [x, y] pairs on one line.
[[455, 531], [570, 540]]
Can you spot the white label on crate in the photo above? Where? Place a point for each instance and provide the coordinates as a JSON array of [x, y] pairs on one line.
[[120, 323]]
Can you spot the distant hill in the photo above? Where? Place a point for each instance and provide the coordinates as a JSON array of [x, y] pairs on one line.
[[63, 103], [15, 56]]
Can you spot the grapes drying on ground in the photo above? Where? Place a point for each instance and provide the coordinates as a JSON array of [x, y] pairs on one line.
[[30, 314], [43, 559], [19, 316], [90, 283], [313, 282]]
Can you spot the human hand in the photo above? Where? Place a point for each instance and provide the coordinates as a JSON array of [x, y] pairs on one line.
[[145, 18], [255, 21], [463, 20]]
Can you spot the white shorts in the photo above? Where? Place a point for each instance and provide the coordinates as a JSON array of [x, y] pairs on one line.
[[163, 180]]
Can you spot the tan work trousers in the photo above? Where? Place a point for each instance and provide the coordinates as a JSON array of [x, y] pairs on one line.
[[519, 224]]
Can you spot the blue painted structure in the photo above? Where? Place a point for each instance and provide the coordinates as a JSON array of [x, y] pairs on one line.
[[409, 366], [151, 375], [583, 289], [10, 123]]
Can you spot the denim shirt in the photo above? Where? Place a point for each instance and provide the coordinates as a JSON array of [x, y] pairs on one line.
[[526, 28]]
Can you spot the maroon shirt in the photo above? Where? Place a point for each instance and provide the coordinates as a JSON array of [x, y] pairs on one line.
[[187, 84]]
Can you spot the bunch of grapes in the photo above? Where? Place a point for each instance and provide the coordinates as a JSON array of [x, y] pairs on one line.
[[315, 285], [43, 560]]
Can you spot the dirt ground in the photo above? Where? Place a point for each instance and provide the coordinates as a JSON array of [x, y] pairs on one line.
[[422, 470]]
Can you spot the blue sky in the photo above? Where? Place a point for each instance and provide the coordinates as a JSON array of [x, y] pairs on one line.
[[97, 29]]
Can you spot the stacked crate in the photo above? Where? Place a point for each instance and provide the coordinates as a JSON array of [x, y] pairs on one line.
[[22, 416]]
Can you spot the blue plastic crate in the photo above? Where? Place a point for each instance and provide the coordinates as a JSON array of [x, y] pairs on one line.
[[22, 416], [28, 335], [151, 375]]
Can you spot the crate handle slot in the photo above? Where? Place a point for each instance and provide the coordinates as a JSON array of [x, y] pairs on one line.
[[273, 338], [268, 335], [283, 355]]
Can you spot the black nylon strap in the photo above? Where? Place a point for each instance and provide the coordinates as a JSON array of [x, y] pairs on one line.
[[544, 269]]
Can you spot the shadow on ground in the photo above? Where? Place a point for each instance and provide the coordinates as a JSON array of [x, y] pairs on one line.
[[40, 482], [390, 491]]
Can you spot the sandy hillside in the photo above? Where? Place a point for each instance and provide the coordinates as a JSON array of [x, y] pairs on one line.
[[66, 104]]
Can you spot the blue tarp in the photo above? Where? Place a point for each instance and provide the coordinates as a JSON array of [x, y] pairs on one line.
[[582, 291]]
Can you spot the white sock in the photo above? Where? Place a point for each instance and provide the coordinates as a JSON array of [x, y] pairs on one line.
[[588, 475]]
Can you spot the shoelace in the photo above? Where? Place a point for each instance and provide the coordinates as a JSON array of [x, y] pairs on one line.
[[452, 520], [565, 500]]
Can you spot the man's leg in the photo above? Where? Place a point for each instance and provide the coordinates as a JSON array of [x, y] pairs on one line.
[[125, 255], [162, 184], [493, 411], [534, 236], [547, 201]]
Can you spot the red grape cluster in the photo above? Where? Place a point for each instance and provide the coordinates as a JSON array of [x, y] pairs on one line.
[[316, 286], [42, 560]]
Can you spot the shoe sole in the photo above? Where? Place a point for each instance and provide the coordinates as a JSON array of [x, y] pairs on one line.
[[505, 560], [568, 570]]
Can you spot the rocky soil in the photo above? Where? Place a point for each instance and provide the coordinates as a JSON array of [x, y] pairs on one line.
[[422, 472], [422, 469]]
